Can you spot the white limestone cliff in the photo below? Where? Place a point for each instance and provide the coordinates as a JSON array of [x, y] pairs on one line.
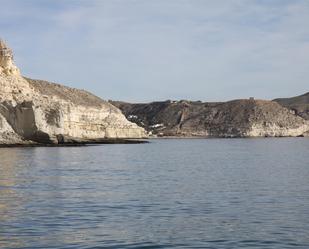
[[7, 65], [39, 111]]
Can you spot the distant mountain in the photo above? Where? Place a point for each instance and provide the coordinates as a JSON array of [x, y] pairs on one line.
[[237, 118], [300, 104]]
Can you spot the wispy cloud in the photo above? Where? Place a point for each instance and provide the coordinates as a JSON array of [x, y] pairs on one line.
[[147, 50]]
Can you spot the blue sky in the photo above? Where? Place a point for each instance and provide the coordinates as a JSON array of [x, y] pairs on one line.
[[145, 50]]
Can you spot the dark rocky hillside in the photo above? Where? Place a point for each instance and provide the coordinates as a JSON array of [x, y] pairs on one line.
[[237, 118], [299, 104]]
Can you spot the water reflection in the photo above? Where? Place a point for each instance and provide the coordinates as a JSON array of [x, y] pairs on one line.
[[9, 198], [169, 193]]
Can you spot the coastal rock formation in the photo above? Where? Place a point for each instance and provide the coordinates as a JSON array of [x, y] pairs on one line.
[[34, 111], [7, 65], [237, 118], [299, 104]]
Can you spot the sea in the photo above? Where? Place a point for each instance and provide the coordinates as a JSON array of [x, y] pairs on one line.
[[168, 193]]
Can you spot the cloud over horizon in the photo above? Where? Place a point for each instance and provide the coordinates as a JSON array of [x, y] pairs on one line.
[[154, 50]]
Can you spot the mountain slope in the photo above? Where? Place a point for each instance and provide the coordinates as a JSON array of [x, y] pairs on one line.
[[300, 104], [237, 118]]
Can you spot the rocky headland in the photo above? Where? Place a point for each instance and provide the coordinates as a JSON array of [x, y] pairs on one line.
[[237, 118], [40, 112], [36, 112]]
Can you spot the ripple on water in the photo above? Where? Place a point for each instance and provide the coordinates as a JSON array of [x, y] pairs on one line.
[[215, 193]]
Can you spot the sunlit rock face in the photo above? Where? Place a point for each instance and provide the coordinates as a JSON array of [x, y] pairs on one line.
[[39, 111], [6, 60]]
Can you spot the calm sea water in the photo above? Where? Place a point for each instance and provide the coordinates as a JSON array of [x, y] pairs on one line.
[[202, 193]]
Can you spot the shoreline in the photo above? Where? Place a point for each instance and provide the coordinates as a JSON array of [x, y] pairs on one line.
[[128, 141], [76, 144], [214, 137]]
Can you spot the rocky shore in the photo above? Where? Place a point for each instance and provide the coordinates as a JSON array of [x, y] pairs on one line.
[[35, 112], [237, 118]]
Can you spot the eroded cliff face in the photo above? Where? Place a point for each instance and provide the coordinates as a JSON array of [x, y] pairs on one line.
[[7, 65], [39, 111], [238, 118]]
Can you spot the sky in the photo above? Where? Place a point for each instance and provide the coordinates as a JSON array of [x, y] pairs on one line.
[[151, 50]]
